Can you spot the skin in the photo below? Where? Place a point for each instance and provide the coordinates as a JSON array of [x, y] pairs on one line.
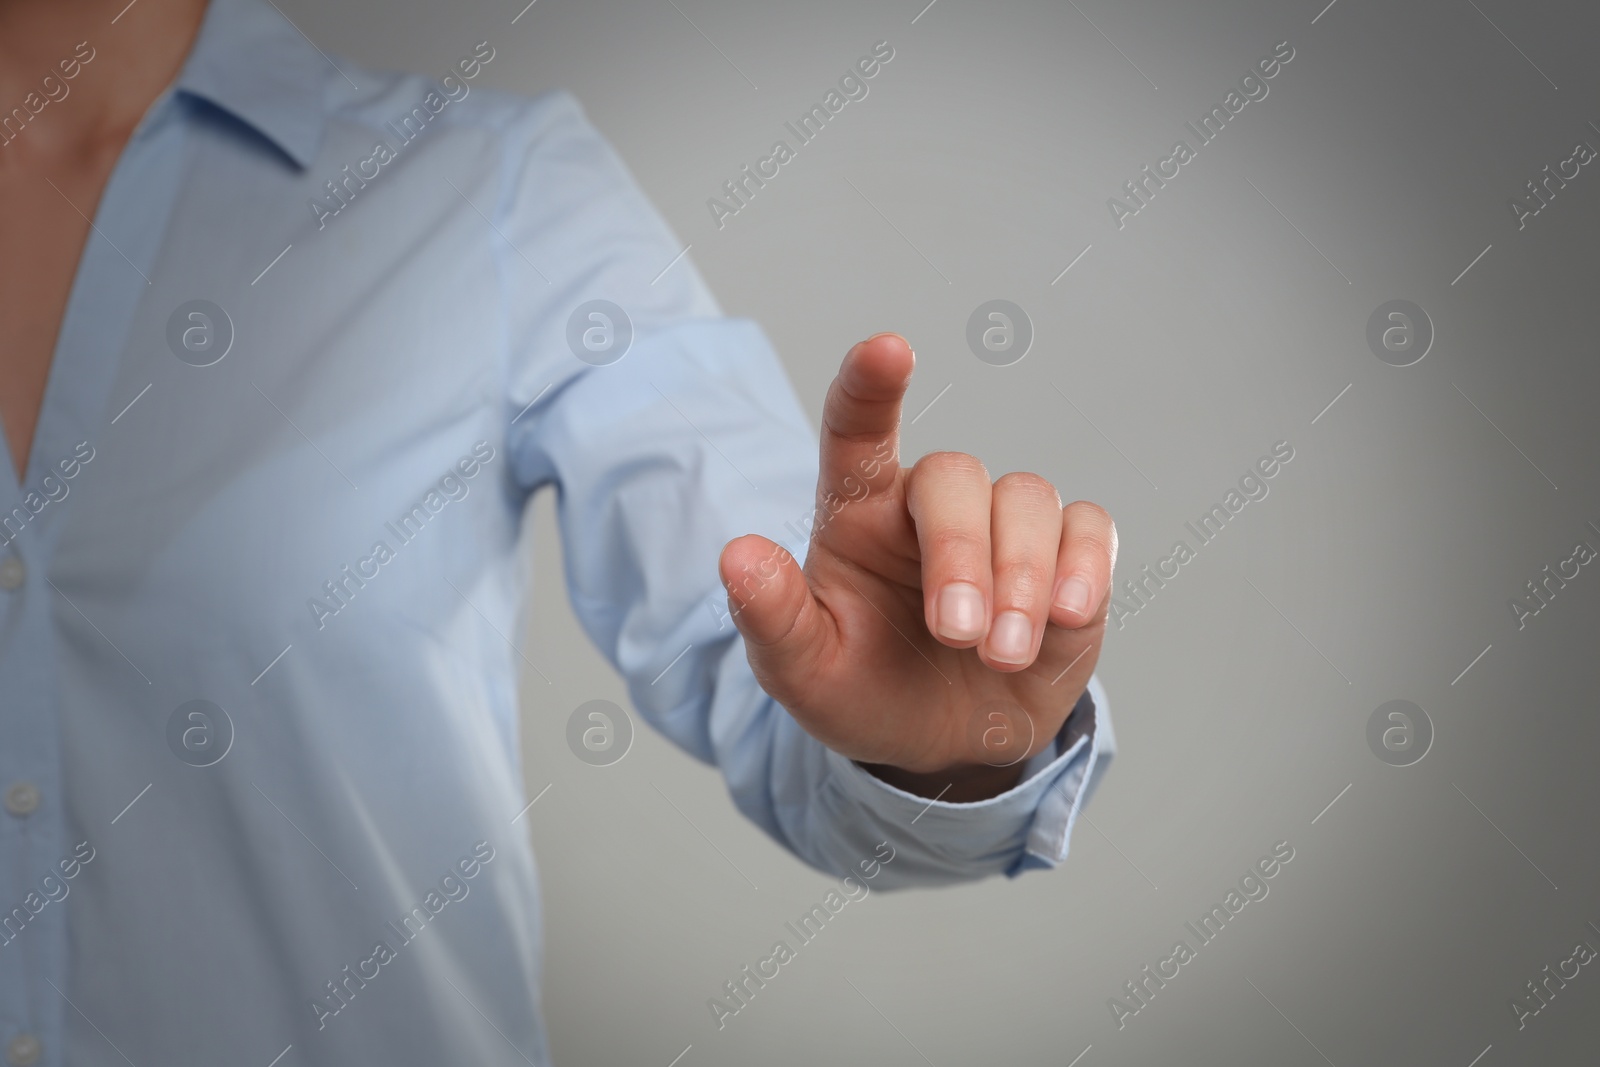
[[73, 143], [868, 647]]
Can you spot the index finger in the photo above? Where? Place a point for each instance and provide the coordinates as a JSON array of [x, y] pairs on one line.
[[861, 418]]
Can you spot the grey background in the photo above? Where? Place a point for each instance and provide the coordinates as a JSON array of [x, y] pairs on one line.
[[1194, 338]]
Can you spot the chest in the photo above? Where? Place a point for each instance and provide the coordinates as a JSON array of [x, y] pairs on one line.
[[265, 397], [42, 234]]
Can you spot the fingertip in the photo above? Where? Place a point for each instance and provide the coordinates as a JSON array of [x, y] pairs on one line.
[[1073, 603], [746, 554], [1013, 642], [894, 351], [1085, 566], [728, 559], [767, 590], [959, 615], [878, 368]]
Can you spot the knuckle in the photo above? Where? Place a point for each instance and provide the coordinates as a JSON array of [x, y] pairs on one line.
[[954, 543], [1030, 487], [848, 426], [1094, 546], [1088, 512], [951, 464], [1090, 528], [1024, 580]]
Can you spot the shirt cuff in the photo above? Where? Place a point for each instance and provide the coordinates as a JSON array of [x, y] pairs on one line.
[[1025, 828]]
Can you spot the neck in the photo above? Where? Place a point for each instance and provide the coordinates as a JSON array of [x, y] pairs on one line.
[[133, 60]]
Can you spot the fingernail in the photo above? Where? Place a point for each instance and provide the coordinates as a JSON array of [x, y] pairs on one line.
[[961, 612], [1011, 637], [1072, 594]]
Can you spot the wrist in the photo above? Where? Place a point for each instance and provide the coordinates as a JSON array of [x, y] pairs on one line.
[[965, 784]]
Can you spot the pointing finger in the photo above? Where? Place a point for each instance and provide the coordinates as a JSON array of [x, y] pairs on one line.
[[861, 418]]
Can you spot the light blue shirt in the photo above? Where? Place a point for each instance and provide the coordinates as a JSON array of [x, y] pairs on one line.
[[304, 510]]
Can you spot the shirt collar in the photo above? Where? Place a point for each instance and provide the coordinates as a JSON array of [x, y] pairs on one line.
[[251, 61]]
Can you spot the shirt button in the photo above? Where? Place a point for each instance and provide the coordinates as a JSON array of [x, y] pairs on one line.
[[23, 1050], [11, 573], [22, 799]]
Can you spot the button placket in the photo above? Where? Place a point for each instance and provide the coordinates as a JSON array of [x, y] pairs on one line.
[[12, 572], [22, 799], [23, 1050]]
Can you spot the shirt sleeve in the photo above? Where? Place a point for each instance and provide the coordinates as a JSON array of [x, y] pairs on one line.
[[680, 436]]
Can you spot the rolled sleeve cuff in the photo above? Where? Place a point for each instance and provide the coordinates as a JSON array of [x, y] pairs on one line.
[[1027, 827]]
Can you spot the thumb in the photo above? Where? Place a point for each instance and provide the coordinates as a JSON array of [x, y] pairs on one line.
[[771, 603]]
